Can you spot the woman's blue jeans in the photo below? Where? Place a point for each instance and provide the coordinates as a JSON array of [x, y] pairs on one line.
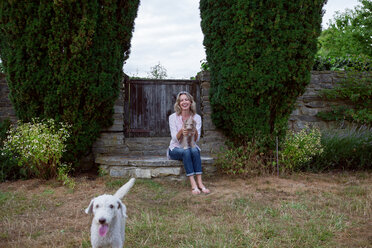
[[190, 157]]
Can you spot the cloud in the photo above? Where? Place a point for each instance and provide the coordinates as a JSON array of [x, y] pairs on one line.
[[167, 32]]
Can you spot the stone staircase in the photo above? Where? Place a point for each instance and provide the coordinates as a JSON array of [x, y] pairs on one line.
[[146, 158]]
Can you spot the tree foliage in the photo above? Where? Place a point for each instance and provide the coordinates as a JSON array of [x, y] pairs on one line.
[[158, 72], [349, 33], [260, 54], [63, 60]]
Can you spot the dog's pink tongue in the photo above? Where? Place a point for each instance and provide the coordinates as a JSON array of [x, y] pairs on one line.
[[103, 230]]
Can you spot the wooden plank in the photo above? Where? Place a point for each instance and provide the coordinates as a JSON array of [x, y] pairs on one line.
[[151, 102]]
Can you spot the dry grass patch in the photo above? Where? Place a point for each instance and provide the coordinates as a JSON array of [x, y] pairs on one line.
[[302, 210]]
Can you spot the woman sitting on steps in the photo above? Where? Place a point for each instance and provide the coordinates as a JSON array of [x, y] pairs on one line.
[[185, 107]]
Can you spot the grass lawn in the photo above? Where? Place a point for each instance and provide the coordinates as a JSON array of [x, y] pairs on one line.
[[301, 210]]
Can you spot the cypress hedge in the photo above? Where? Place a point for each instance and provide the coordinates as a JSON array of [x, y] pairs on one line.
[[260, 55], [63, 60]]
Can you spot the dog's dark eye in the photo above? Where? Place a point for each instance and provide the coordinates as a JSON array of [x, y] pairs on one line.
[[111, 206], [97, 206]]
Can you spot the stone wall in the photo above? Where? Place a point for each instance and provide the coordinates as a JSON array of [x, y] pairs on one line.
[[212, 139], [310, 103], [306, 108], [112, 139]]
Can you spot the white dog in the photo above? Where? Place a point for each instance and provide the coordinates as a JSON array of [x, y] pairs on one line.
[[108, 225]]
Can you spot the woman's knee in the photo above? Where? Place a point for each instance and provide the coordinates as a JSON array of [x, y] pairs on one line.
[[186, 153], [194, 151]]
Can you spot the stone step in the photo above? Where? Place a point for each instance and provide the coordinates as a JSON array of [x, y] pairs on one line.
[[147, 166], [147, 143]]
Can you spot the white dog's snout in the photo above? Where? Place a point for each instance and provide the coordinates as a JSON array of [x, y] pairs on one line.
[[102, 220]]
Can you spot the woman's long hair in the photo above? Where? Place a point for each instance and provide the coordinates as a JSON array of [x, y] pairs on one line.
[[177, 107]]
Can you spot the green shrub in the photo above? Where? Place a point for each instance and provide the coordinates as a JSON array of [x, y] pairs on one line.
[[63, 176], [356, 89], [9, 168], [4, 127], [331, 63], [345, 149], [37, 146], [242, 160], [260, 54], [63, 60], [299, 149]]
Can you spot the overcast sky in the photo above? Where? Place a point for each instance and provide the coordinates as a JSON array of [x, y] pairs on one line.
[[168, 31]]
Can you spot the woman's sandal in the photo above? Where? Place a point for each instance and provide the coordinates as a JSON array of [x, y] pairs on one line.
[[205, 190], [195, 191]]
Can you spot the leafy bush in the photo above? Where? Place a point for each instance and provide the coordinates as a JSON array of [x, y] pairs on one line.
[[4, 127], [300, 148], [260, 54], [8, 165], [242, 160], [64, 61], [346, 149], [62, 175], [331, 63], [356, 89], [349, 32], [37, 146]]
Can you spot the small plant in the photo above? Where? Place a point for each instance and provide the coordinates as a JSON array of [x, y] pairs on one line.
[[62, 175], [242, 160], [37, 146], [102, 172], [204, 66], [300, 148], [349, 148]]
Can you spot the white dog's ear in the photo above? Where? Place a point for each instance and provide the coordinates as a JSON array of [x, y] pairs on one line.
[[122, 208], [89, 209]]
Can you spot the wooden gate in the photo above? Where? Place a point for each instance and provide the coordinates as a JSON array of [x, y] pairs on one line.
[[148, 104]]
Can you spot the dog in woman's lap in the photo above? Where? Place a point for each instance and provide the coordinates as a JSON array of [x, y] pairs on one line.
[[188, 141]]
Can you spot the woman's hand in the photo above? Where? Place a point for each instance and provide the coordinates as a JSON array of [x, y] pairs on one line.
[[185, 132]]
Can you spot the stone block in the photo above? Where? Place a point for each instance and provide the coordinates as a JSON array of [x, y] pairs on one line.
[[116, 171], [305, 118], [204, 76], [315, 104], [207, 108], [208, 124], [119, 109], [142, 173], [309, 111], [326, 78], [164, 172], [110, 139]]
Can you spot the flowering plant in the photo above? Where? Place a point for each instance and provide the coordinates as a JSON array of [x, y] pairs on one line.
[[38, 146], [299, 148]]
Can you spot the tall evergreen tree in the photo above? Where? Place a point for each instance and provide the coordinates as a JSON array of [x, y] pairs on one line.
[[260, 55], [63, 60]]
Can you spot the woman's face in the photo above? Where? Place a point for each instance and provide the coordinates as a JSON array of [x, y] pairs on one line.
[[185, 103]]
